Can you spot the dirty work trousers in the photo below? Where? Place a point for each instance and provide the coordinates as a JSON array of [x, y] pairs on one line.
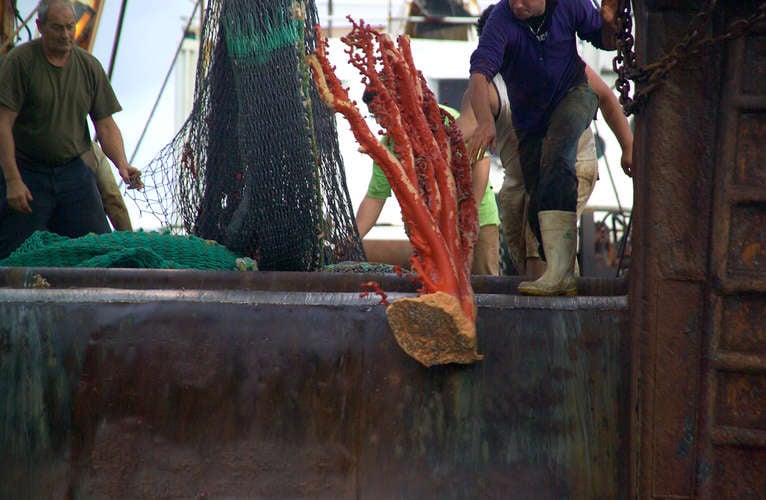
[[66, 201], [548, 157]]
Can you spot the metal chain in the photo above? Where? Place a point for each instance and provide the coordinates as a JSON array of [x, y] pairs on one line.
[[624, 63], [694, 43]]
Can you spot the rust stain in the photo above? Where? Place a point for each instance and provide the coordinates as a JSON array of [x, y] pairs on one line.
[[750, 252]]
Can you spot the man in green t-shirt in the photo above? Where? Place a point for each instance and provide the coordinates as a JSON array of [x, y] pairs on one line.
[[48, 88], [486, 252]]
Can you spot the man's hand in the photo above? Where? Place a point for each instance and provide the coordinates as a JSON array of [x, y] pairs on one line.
[[19, 196], [110, 138], [481, 139], [627, 161], [609, 10], [132, 177]]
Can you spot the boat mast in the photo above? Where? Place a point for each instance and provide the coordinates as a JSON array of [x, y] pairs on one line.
[[7, 19]]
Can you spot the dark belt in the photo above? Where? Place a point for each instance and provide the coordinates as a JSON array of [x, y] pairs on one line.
[[52, 164]]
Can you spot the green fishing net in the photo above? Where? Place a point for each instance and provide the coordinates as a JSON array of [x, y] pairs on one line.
[[364, 267], [126, 249]]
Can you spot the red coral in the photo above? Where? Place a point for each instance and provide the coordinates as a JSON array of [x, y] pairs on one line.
[[374, 287], [428, 169]]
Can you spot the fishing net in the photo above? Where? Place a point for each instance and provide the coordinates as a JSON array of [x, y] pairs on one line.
[[257, 165], [366, 267], [126, 249]]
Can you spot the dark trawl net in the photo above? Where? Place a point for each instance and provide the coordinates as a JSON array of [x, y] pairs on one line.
[[257, 165]]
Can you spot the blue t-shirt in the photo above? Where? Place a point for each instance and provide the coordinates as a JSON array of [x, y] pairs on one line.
[[537, 72]]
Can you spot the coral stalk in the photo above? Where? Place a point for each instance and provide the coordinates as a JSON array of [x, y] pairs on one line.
[[430, 176]]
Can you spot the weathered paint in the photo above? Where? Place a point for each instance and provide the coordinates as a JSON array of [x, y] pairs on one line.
[[247, 392], [698, 276], [346, 414]]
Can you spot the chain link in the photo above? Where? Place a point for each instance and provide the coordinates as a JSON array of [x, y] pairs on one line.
[[694, 43]]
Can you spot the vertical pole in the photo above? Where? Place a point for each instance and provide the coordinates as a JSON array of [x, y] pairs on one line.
[[116, 43], [7, 17], [201, 16]]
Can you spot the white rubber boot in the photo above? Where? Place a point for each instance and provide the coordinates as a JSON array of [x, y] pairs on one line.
[[559, 232]]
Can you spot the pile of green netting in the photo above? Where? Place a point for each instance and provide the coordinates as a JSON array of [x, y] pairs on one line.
[[126, 249], [365, 267]]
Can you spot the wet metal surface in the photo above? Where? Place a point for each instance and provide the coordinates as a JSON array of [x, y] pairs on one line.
[[230, 392]]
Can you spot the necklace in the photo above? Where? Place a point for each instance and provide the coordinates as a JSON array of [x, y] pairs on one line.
[[536, 31]]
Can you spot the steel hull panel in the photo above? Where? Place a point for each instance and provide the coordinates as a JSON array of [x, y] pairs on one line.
[[114, 392]]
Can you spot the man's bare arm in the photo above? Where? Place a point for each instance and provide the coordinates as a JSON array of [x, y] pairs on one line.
[[480, 179], [483, 136], [17, 193], [467, 119], [615, 118], [466, 122], [368, 213], [110, 137]]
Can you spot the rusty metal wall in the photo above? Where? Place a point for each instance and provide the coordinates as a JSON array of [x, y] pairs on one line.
[[115, 392], [698, 281]]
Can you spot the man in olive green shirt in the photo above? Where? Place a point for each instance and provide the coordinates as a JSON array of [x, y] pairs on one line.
[[48, 88]]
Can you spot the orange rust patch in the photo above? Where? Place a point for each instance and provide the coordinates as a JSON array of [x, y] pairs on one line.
[[750, 252]]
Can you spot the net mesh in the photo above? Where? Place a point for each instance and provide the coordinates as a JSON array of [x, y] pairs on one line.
[[126, 249], [257, 165]]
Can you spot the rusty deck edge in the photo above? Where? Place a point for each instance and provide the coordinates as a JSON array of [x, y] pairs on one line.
[[261, 297], [166, 279]]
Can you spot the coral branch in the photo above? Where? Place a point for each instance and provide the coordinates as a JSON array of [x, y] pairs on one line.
[[430, 176]]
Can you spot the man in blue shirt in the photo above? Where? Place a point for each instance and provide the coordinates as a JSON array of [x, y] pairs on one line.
[[532, 44]]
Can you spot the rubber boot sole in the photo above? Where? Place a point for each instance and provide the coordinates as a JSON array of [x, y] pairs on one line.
[[546, 293]]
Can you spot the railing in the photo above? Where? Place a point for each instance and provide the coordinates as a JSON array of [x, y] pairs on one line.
[[605, 247], [391, 14]]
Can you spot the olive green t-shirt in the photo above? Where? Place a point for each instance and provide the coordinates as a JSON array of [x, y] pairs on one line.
[[53, 103]]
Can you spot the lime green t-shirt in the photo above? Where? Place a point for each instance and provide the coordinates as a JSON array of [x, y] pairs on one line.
[[379, 188]]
